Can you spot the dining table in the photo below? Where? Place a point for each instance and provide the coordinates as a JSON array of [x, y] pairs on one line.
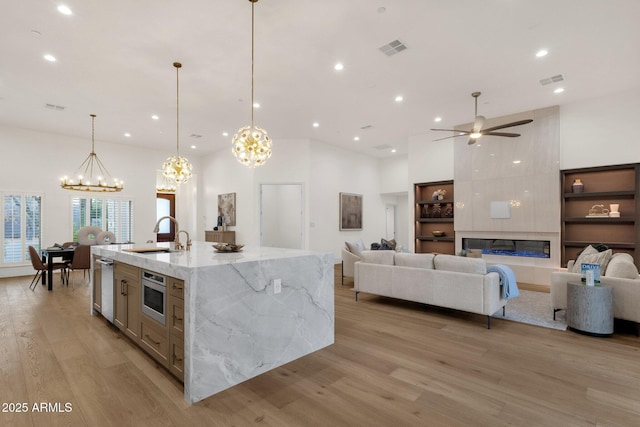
[[48, 254]]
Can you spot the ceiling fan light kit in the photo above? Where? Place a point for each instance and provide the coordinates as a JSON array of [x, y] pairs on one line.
[[478, 123]]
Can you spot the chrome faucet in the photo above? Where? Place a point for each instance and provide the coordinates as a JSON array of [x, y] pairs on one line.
[[188, 239], [177, 244]]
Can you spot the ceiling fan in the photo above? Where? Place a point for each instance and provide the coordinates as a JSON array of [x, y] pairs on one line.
[[477, 130]]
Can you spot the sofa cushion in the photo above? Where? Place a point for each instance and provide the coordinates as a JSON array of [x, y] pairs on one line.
[[378, 257], [460, 264], [590, 255], [414, 260], [622, 266]]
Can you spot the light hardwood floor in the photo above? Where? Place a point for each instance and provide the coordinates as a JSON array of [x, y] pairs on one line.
[[393, 363]]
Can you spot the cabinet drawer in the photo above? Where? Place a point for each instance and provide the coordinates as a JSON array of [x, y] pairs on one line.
[[155, 341], [124, 270], [176, 316], [176, 287]]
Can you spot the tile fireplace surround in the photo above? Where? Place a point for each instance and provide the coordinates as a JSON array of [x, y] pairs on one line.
[[522, 172]]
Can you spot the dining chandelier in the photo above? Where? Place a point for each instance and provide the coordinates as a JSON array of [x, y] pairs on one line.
[[101, 182], [251, 145], [177, 168]]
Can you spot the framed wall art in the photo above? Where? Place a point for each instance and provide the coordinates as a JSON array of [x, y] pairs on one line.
[[350, 211], [227, 208]]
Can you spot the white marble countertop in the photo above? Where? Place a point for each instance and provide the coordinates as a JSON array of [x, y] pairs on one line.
[[202, 254]]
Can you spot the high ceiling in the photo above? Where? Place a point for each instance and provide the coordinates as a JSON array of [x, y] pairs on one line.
[[114, 59]]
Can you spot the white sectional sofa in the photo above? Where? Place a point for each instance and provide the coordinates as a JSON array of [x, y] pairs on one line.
[[448, 281], [619, 272]]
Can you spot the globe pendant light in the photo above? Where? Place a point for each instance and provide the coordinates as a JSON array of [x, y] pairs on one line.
[[86, 179], [177, 168], [251, 146]]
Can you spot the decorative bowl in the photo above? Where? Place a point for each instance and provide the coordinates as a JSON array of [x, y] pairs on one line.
[[437, 233], [227, 247]]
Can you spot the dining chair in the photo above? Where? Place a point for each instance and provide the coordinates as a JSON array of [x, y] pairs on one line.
[[81, 261], [40, 267]]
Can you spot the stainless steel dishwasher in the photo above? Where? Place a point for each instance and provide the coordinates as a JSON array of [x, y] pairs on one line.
[[106, 265]]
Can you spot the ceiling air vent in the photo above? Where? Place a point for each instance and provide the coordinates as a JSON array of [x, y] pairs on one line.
[[552, 79], [195, 135], [382, 147], [367, 127], [54, 107], [393, 47]]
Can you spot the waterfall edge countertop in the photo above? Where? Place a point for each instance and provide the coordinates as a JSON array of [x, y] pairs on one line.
[[237, 324]]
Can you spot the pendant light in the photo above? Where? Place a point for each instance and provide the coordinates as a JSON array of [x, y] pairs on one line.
[[251, 145], [100, 183], [177, 168]]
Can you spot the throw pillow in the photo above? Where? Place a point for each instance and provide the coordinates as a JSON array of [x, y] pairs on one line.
[[360, 245], [388, 244], [353, 248], [590, 255], [622, 266]]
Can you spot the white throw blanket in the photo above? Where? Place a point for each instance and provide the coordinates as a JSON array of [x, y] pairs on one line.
[[507, 280]]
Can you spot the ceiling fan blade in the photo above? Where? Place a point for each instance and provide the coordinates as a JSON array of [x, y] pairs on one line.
[[467, 132], [510, 135], [452, 136], [478, 123], [507, 125]]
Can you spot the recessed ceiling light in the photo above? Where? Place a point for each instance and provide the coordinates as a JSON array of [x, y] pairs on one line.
[[541, 53], [193, 147], [437, 119], [399, 98], [49, 57], [338, 67], [155, 117], [127, 134], [64, 9], [559, 90], [394, 150], [356, 138], [256, 105], [225, 133], [516, 162], [316, 124]]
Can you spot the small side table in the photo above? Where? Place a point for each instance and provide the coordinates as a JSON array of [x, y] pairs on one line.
[[590, 309]]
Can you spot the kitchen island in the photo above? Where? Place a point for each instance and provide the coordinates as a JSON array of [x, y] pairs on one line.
[[237, 324]]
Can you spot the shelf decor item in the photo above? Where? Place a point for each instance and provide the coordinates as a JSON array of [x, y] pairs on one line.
[[614, 210], [438, 233], [577, 186], [598, 211], [439, 194], [448, 211]]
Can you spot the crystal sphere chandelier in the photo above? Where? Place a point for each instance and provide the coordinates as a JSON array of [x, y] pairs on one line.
[[101, 182], [251, 145], [177, 168]]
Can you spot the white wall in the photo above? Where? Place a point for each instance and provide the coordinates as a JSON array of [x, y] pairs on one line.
[[335, 170], [393, 174], [221, 173], [601, 131]]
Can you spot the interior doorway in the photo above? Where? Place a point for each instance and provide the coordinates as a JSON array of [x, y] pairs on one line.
[[390, 221], [166, 205], [282, 215]]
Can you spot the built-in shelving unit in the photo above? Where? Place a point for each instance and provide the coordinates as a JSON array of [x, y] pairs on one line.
[[426, 224], [604, 185]]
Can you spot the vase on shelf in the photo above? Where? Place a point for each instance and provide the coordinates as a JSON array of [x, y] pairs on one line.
[[577, 186], [614, 211]]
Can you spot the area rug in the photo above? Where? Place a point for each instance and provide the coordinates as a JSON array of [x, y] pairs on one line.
[[533, 308]]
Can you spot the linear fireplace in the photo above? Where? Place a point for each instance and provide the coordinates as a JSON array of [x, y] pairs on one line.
[[510, 247]]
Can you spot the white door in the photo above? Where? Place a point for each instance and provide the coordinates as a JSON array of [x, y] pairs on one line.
[[282, 216], [390, 215]]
